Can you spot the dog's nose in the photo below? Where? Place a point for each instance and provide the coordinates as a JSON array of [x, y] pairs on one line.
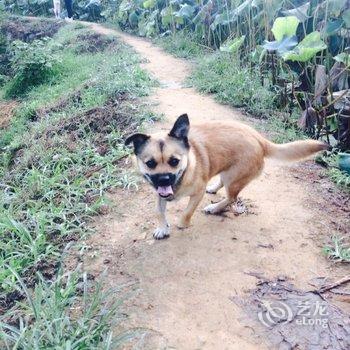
[[163, 179]]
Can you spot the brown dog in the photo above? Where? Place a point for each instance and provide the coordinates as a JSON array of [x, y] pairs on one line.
[[180, 163]]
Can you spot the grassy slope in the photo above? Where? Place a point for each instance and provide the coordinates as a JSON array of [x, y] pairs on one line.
[[232, 83], [59, 156]]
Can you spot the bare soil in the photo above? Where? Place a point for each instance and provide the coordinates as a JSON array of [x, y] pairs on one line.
[[7, 109], [93, 42], [30, 28], [181, 289]]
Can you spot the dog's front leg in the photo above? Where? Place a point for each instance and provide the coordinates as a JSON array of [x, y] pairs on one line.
[[195, 199], [162, 231]]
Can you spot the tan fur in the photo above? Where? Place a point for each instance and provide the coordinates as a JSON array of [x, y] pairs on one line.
[[231, 149]]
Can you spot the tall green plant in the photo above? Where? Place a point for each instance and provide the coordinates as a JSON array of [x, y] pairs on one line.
[[32, 64]]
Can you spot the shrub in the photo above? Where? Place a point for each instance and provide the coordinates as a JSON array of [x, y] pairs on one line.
[[33, 64]]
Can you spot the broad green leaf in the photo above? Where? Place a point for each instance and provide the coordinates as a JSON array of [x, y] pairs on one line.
[[241, 8], [167, 16], [186, 11], [147, 25], [299, 12], [179, 20], [148, 4], [343, 58], [346, 18], [284, 27], [332, 123], [333, 26], [202, 14], [262, 56], [286, 44], [306, 49], [232, 46], [133, 19], [220, 19], [225, 17]]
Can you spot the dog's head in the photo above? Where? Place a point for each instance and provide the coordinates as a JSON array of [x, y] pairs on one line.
[[163, 158]]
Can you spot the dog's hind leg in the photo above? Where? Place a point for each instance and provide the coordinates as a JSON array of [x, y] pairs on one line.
[[234, 183], [191, 207], [162, 231], [213, 188], [232, 192]]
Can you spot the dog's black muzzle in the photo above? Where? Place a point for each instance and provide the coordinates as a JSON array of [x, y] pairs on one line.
[[165, 179]]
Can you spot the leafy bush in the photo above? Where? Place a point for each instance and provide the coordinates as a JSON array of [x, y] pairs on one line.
[[32, 64]]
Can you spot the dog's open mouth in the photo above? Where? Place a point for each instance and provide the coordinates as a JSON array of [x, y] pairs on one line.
[[165, 191]]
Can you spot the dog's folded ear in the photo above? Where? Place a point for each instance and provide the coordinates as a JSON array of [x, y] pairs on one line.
[[181, 128], [138, 141]]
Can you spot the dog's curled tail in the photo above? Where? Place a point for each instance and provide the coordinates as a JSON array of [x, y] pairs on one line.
[[293, 151]]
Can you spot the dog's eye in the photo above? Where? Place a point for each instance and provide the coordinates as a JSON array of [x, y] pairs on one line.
[[173, 161], [151, 163]]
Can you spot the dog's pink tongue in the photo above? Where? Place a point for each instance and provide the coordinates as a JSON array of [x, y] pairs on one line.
[[165, 190]]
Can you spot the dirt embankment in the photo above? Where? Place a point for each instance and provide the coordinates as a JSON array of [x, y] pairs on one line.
[[25, 30]]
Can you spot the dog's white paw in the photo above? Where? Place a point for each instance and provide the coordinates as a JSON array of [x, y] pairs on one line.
[[182, 225], [212, 209], [212, 189], [161, 232]]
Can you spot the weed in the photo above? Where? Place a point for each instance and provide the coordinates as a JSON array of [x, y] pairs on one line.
[[338, 251], [67, 313]]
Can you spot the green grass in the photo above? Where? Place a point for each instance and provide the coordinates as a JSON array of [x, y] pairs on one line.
[[58, 158], [67, 313], [221, 74], [182, 44]]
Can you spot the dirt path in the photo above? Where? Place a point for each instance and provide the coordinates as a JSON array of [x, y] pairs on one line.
[[182, 286]]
